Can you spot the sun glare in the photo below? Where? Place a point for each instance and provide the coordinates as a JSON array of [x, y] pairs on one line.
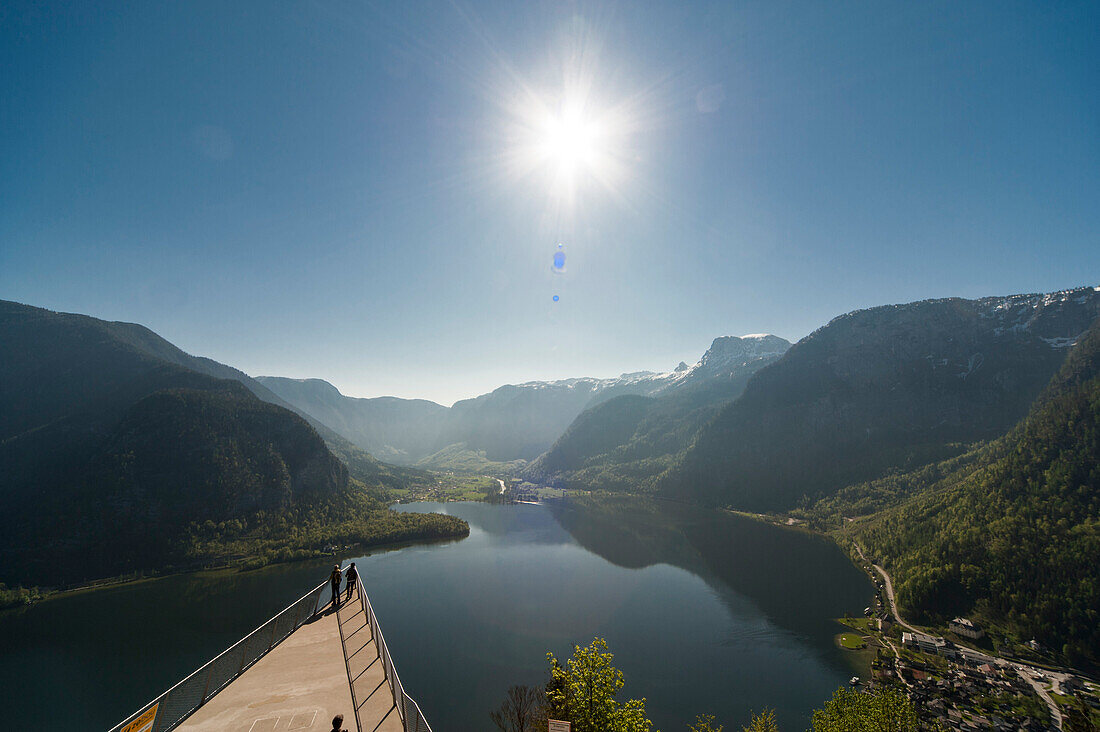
[[574, 144], [573, 135]]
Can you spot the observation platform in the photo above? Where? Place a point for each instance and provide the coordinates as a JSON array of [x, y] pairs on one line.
[[295, 672], [306, 680]]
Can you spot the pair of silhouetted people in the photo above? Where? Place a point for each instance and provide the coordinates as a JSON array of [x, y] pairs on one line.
[[334, 579]]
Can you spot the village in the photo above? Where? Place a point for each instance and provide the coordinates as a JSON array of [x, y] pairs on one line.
[[956, 687]]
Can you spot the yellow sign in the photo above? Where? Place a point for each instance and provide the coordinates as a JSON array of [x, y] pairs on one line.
[[143, 723]]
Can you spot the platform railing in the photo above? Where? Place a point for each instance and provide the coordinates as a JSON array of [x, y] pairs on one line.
[[168, 710], [412, 719]]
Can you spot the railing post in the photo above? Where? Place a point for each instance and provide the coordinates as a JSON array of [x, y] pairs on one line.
[[274, 627], [206, 686]]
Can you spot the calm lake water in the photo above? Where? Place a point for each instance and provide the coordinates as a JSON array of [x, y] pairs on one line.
[[704, 612]]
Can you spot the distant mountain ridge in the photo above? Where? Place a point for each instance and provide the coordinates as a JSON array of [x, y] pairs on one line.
[[622, 443], [395, 430], [728, 354], [891, 387], [513, 422]]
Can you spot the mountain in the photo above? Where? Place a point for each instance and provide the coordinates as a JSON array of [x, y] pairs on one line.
[[877, 390], [112, 452], [396, 430], [521, 421], [1011, 535], [511, 423], [726, 360], [362, 465], [622, 443]]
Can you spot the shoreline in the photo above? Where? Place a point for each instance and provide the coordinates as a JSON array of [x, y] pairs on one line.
[[237, 567]]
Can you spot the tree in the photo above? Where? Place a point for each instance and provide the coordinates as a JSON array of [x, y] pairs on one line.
[[886, 710], [583, 692], [523, 710], [763, 722], [705, 723]]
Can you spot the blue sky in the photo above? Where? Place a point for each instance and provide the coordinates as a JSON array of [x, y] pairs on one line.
[[362, 192]]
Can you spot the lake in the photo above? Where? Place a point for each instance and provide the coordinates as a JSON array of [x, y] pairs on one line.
[[705, 612]]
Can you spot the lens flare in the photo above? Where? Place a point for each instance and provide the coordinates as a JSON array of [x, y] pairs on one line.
[[559, 262]]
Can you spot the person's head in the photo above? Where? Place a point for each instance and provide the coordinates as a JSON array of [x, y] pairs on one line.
[[337, 721], [336, 568], [353, 564]]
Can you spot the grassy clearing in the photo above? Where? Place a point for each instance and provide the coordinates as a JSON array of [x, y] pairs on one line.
[[450, 487], [858, 653], [851, 641]]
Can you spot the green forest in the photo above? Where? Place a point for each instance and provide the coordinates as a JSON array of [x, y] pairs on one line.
[[1009, 533], [353, 518]]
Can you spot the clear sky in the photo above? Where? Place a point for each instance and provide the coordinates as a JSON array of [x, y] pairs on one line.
[[374, 193]]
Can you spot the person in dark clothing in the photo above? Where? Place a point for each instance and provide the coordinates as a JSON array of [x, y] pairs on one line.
[[353, 580], [338, 723], [335, 580]]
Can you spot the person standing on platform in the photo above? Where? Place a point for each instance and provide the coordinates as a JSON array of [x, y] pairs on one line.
[[335, 580], [353, 580]]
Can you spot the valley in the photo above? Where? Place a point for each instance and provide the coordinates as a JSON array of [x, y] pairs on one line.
[[953, 440]]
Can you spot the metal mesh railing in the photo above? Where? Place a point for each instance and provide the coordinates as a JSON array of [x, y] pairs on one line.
[[412, 719], [179, 702]]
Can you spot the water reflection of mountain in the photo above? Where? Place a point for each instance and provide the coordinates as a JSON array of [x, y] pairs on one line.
[[798, 580]]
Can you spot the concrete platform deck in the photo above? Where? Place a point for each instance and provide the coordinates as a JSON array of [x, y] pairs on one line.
[[303, 683]]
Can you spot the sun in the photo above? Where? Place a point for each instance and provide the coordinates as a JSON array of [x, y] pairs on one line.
[[569, 142]]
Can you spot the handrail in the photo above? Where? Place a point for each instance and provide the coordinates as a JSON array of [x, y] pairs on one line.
[[410, 722]]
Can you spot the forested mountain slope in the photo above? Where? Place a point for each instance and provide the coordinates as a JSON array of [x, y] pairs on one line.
[[111, 456], [1012, 535], [889, 388], [363, 466]]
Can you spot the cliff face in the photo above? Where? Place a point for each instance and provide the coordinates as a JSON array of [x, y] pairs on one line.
[[892, 387]]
